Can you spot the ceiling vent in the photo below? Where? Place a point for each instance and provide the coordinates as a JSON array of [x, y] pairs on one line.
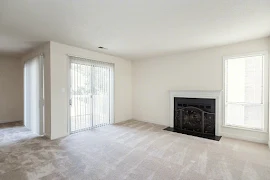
[[101, 47]]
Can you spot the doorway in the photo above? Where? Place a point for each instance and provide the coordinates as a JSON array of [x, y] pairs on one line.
[[91, 94], [34, 95]]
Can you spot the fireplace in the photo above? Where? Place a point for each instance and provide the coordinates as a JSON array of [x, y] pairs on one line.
[[195, 114]]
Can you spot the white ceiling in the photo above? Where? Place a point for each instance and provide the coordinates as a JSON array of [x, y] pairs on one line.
[[133, 29]]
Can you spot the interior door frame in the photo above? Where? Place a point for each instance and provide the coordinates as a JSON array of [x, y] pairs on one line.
[[40, 120], [41, 95]]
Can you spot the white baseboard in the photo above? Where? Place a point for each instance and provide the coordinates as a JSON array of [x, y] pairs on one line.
[[152, 122], [232, 135], [47, 136], [115, 122], [8, 121], [251, 139]]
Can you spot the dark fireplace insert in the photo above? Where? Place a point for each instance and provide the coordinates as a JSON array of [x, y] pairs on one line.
[[195, 116]]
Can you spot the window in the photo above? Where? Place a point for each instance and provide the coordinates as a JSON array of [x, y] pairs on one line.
[[246, 91]]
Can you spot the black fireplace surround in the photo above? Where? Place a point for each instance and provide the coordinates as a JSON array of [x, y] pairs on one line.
[[195, 116]]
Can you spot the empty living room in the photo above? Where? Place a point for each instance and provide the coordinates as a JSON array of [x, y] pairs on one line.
[[134, 90]]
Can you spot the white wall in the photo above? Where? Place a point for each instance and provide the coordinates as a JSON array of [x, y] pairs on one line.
[[198, 70], [45, 50], [11, 90], [59, 85]]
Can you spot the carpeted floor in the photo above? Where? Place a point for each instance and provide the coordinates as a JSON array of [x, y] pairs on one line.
[[129, 150]]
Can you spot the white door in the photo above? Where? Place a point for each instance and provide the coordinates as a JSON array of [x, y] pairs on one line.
[[91, 90], [33, 95]]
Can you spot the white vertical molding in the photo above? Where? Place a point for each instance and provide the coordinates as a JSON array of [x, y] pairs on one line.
[[112, 94], [41, 97], [268, 92], [69, 94]]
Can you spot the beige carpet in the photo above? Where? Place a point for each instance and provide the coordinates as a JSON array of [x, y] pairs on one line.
[[130, 150]]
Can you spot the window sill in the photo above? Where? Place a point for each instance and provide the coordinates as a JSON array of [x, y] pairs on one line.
[[244, 128]]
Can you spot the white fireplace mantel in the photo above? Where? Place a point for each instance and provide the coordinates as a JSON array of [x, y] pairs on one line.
[[199, 94]]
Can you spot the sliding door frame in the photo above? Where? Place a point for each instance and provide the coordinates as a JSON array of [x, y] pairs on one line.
[[112, 91], [69, 94]]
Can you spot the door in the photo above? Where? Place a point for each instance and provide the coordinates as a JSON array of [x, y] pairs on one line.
[[90, 94]]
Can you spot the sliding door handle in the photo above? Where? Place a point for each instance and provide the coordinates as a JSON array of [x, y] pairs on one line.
[[70, 102]]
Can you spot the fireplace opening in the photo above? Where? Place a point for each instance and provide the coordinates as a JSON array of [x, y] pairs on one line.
[[195, 116]]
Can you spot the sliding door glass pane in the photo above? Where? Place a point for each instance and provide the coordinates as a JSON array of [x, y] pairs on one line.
[[101, 95], [81, 107]]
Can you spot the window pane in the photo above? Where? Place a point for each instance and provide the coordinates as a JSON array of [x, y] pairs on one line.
[[235, 114], [244, 79], [236, 80], [254, 116], [254, 79], [244, 115]]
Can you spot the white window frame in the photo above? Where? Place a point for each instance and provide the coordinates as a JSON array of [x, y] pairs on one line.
[[265, 90]]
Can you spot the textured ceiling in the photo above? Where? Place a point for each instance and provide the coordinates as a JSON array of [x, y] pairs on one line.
[[134, 29]]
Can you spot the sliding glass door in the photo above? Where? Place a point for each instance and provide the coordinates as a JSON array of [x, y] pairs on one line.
[[91, 92]]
